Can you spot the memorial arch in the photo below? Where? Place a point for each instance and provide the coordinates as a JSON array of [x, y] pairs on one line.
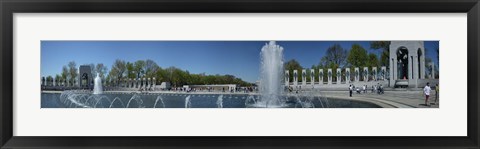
[[85, 77], [407, 63]]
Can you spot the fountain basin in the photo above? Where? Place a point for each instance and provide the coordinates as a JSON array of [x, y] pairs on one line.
[[72, 99]]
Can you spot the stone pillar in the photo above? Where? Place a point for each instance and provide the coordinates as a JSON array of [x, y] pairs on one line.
[[149, 83], [154, 84], [393, 70], [295, 77], [320, 76], [432, 68], [329, 75], [365, 74], [339, 76], [137, 83], [383, 72], [416, 75], [304, 77], [287, 77], [347, 75], [410, 67], [422, 66], [416, 69], [374, 73], [312, 76], [357, 74]]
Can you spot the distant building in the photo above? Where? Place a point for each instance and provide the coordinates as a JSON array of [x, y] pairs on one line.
[[214, 87], [165, 86]]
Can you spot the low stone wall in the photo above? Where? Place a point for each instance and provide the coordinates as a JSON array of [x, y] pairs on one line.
[[339, 87]]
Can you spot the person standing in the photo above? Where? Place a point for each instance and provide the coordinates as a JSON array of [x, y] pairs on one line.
[[426, 91], [437, 89], [351, 90]]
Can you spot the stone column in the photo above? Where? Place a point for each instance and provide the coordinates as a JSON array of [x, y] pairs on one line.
[[374, 73], [422, 66], [329, 75], [312, 76], [339, 76], [416, 75], [304, 77], [416, 69], [154, 84], [410, 67], [357, 74], [295, 77], [320, 76], [287, 78], [365, 74], [347, 75], [136, 82], [432, 68], [149, 83], [383, 72]]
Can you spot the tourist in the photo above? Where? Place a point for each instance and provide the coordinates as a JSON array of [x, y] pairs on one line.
[[351, 90], [437, 89], [364, 88], [426, 91]]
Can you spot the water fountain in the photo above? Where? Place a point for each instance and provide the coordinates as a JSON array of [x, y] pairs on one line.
[[271, 77], [97, 85]]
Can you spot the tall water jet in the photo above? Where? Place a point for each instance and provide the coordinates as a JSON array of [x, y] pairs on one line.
[[271, 75], [97, 85]]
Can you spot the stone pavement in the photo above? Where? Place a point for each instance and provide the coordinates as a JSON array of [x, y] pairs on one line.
[[401, 99]]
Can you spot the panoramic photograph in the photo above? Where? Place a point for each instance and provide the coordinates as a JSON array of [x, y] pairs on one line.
[[239, 74]]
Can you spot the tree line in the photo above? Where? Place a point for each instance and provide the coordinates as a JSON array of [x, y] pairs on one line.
[[121, 70]]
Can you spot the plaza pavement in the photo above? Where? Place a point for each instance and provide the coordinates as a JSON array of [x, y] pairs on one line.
[[400, 99]]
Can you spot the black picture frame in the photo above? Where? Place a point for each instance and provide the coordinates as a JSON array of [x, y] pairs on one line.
[[9, 7]]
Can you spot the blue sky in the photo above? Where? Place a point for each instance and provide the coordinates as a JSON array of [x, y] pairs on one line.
[[239, 58]]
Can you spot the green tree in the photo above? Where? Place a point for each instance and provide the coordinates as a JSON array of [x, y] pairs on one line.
[[65, 73], [101, 70], [335, 54], [58, 79], [357, 57], [293, 65], [49, 80], [139, 68], [384, 46], [150, 68], [73, 72], [372, 61], [131, 71], [118, 70]]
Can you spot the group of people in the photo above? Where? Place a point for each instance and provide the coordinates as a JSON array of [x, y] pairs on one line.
[[426, 91], [364, 89]]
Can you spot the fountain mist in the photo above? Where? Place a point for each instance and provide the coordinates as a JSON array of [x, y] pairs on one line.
[[97, 85], [271, 75]]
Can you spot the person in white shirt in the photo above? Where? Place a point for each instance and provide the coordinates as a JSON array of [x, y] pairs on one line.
[[351, 90], [426, 91]]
